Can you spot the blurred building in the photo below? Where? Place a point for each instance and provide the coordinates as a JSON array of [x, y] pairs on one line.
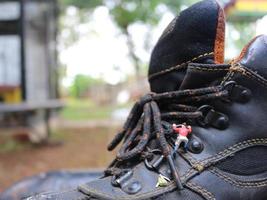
[[28, 64], [245, 10]]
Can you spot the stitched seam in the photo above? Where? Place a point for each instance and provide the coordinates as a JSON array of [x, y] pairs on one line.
[[228, 76], [157, 191], [205, 193], [232, 149], [239, 183], [177, 67], [237, 147], [188, 158], [141, 196], [208, 69], [246, 72], [188, 173]]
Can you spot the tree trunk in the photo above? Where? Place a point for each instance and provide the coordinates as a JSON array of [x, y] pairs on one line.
[[133, 56]]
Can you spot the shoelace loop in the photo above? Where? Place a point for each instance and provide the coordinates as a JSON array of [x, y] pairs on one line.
[[145, 121]]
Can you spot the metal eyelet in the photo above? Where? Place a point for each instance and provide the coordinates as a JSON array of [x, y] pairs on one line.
[[229, 86], [153, 164], [117, 181], [123, 181], [132, 187], [204, 110], [237, 93], [212, 118]]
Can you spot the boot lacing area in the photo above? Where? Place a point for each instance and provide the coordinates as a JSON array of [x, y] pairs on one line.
[[148, 120]]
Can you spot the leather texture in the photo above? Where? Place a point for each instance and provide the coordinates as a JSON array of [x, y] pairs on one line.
[[255, 54], [200, 173], [190, 37], [246, 130]]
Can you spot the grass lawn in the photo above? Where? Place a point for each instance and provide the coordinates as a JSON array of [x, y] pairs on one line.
[[85, 110]]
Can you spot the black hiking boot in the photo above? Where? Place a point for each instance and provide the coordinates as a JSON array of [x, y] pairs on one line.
[[204, 137], [205, 143]]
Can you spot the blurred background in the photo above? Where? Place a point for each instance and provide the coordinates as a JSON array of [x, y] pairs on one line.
[[70, 71]]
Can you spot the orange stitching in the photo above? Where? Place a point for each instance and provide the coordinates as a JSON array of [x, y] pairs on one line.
[[233, 149], [239, 183], [248, 73], [208, 69], [181, 66], [155, 192], [205, 193]]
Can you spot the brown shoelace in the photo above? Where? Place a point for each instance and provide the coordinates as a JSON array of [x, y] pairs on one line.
[[145, 122]]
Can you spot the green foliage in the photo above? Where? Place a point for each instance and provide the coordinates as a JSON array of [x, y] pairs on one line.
[[82, 4], [84, 109], [127, 12], [247, 30], [81, 85]]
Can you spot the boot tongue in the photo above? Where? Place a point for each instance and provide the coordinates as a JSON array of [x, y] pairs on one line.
[[196, 35], [203, 75], [254, 56]]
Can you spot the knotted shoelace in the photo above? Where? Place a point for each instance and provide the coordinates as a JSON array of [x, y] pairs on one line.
[[146, 120]]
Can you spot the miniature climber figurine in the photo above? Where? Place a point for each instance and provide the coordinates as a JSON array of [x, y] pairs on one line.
[[183, 131]]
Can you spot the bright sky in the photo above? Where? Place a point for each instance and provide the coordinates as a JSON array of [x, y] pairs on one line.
[[102, 51], [261, 27]]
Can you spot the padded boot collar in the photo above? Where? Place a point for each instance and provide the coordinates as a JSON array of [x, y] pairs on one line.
[[196, 35]]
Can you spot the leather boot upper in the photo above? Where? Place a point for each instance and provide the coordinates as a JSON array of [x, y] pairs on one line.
[[215, 172], [195, 35], [226, 154]]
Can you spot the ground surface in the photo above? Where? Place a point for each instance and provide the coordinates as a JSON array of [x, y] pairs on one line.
[[83, 148], [81, 110]]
